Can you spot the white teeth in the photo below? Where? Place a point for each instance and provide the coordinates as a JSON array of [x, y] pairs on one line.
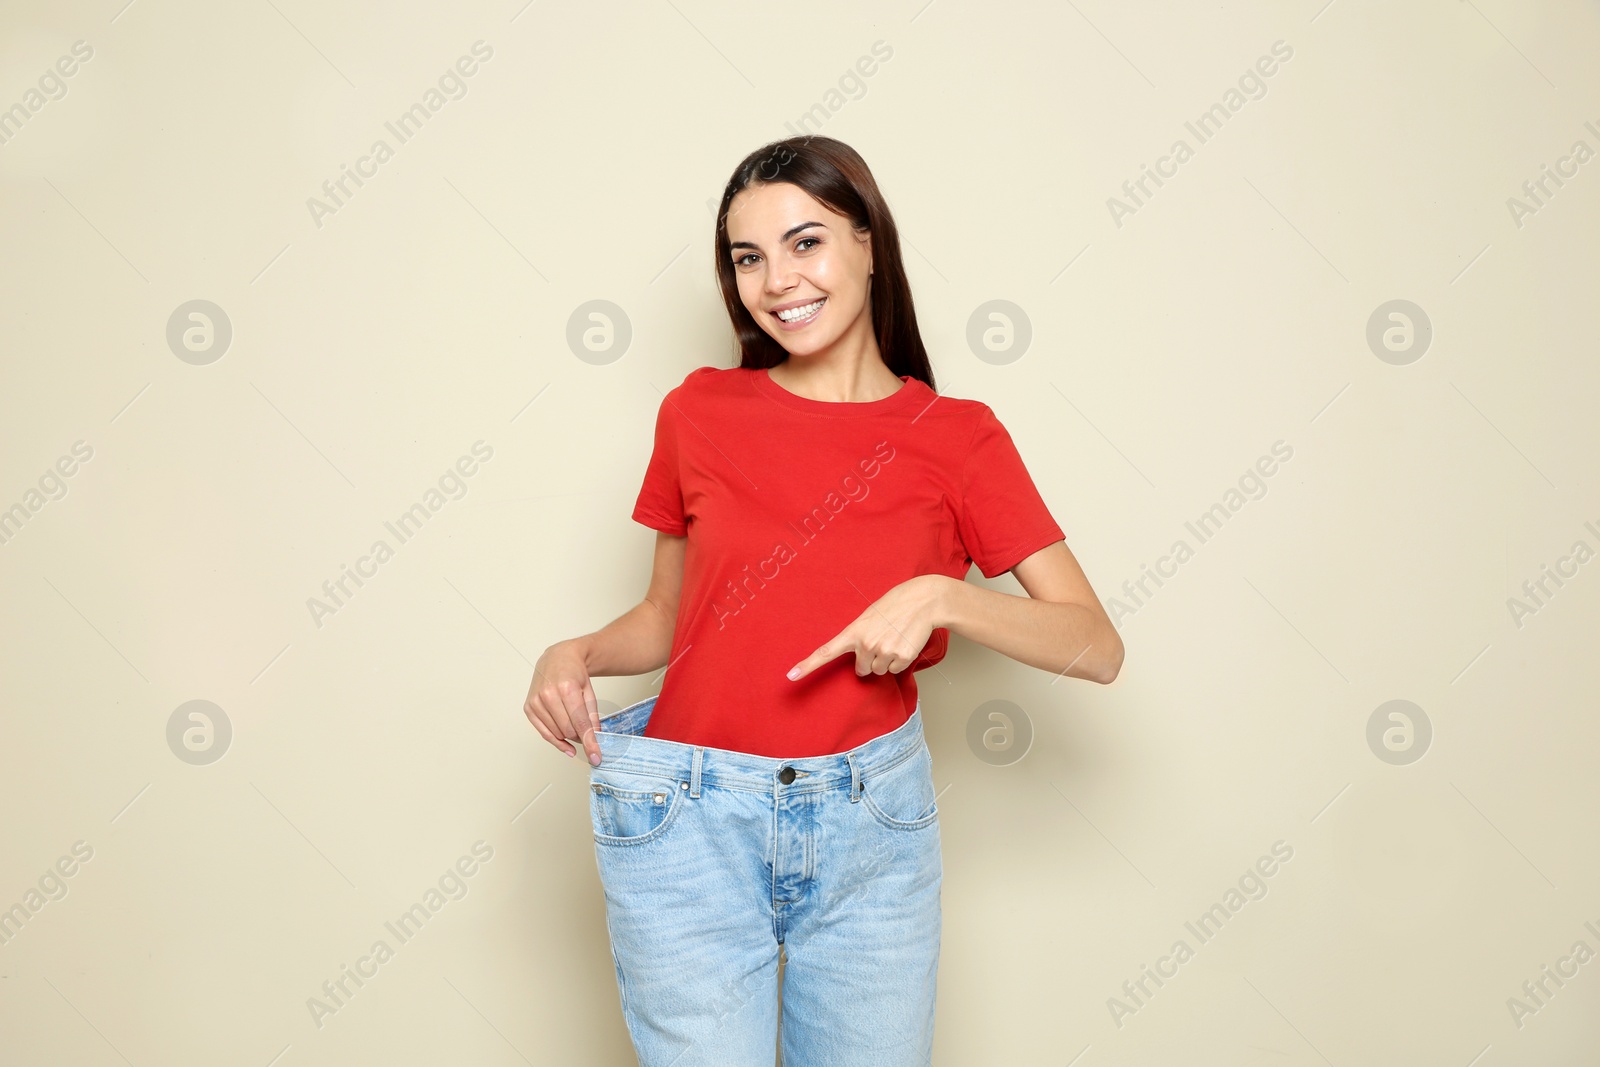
[[800, 312]]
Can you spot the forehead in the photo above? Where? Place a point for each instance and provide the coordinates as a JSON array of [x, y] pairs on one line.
[[763, 211]]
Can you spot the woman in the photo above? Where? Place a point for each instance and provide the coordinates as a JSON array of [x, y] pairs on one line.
[[817, 508]]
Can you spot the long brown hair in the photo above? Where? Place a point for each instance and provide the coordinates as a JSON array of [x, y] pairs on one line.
[[833, 173]]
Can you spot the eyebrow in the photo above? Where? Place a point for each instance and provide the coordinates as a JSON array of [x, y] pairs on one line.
[[790, 232]]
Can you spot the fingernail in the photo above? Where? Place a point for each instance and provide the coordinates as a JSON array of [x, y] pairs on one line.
[[570, 753], [594, 759]]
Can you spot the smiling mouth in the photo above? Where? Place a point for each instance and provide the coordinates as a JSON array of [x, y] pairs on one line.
[[805, 313]]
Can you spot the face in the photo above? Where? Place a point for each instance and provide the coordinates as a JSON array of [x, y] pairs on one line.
[[789, 250]]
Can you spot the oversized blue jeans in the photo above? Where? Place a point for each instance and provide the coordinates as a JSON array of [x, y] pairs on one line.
[[711, 859]]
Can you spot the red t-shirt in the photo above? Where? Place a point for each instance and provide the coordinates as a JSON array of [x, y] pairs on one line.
[[800, 514]]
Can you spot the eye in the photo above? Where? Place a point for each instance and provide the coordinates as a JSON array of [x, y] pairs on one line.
[[803, 240], [740, 261]]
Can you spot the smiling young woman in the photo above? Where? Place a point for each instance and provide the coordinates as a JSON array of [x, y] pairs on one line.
[[817, 509]]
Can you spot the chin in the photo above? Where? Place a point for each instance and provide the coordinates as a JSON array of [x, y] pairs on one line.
[[811, 346]]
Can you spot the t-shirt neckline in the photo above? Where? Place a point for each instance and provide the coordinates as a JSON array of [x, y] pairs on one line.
[[764, 385]]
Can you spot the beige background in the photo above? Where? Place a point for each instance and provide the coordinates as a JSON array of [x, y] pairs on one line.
[[430, 311]]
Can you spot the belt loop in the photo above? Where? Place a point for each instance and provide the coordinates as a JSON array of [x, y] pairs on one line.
[[694, 772], [855, 777]]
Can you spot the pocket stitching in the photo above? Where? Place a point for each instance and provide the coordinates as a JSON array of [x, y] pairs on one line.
[[672, 812], [921, 822], [895, 824]]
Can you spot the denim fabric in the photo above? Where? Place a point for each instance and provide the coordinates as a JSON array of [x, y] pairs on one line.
[[710, 859]]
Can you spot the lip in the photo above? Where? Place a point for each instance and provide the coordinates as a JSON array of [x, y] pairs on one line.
[[803, 323]]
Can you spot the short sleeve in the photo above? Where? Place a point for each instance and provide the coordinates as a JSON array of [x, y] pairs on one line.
[[660, 502], [1002, 519]]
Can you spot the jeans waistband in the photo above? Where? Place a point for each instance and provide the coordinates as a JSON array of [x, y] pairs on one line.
[[624, 748]]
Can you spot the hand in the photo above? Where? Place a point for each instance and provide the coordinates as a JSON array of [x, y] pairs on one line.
[[561, 703], [887, 637]]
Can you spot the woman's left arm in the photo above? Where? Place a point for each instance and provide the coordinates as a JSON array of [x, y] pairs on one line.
[[1058, 627]]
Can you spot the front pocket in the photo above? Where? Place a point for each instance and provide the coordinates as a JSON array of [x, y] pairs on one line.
[[902, 797], [631, 811]]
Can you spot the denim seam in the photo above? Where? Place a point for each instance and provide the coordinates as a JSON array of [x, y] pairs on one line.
[[673, 807], [635, 765], [903, 729], [919, 823]]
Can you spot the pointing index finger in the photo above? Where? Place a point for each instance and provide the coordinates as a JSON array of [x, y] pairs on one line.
[[813, 661]]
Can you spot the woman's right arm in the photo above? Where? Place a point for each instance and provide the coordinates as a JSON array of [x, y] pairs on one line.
[[561, 702]]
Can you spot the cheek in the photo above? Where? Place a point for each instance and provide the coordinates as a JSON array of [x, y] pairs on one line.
[[839, 280], [750, 296]]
